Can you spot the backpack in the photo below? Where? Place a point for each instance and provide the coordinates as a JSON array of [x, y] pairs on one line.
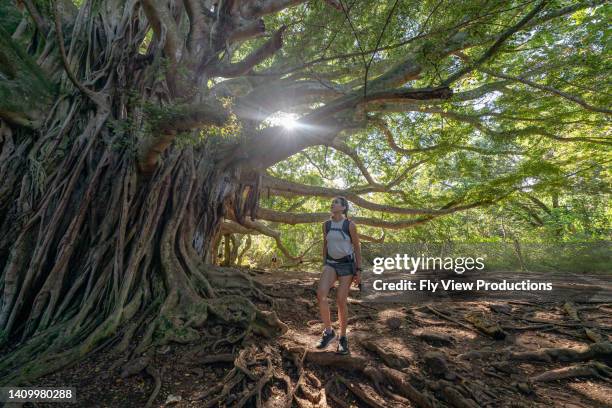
[[344, 231]]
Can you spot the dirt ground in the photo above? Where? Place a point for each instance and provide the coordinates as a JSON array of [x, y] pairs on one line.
[[452, 352]]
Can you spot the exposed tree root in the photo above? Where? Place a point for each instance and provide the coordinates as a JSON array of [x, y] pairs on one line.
[[596, 351], [485, 326], [218, 358], [378, 375], [570, 309], [157, 378], [329, 389], [359, 393], [435, 337], [256, 391], [389, 358], [590, 369], [449, 318], [451, 394], [299, 362], [135, 366]]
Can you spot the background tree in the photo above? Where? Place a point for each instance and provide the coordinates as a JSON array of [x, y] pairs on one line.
[[136, 133]]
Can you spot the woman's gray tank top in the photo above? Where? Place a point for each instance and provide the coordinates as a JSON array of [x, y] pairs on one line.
[[339, 244]]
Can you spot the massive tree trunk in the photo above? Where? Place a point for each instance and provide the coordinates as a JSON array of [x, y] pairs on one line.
[[91, 247], [106, 232]]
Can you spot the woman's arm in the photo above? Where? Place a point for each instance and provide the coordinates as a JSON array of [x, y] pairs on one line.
[[357, 248]]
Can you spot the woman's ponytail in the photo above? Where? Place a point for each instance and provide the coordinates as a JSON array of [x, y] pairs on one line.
[[346, 206]]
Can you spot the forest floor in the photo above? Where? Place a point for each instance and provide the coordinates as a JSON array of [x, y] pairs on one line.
[[496, 352]]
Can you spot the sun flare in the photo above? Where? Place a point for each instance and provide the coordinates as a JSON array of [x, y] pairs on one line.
[[287, 120]]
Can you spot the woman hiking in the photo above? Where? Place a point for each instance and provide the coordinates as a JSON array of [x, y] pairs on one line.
[[342, 262]]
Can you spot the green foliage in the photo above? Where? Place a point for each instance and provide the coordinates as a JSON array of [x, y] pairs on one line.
[[497, 147]]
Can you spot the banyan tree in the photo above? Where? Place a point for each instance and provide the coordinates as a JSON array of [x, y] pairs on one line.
[[135, 133]]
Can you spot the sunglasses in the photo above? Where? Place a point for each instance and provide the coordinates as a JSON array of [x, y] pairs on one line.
[[337, 202]]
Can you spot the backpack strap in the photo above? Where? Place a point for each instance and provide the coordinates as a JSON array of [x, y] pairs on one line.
[[345, 228]]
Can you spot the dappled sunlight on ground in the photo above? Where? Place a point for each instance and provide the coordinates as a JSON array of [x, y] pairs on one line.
[[427, 345], [457, 334], [594, 391], [533, 340]]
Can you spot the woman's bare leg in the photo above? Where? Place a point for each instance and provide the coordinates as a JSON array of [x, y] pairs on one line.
[[341, 296], [328, 278]]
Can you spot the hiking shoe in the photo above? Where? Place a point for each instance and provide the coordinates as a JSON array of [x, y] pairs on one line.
[[343, 347], [326, 338]]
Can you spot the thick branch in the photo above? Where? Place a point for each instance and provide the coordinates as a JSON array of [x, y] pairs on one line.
[[274, 144], [168, 122], [240, 68], [164, 27], [346, 149], [389, 95], [246, 30], [391, 141], [310, 218], [369, 238], [185, 117], [197, 22], [527, 131], [166, 31], [307, 218], [264, 229], [281, 95], [279, 186]]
